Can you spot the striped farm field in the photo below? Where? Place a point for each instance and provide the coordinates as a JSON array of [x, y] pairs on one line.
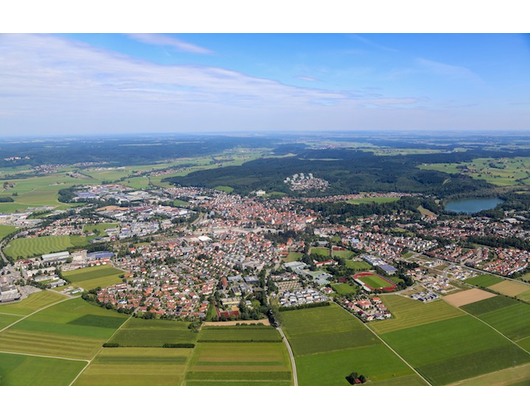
[[489, 305], [455, 349], [242, 334], [136, 366], [7, 319], [6, 230], [29, 247], [239, 364], [517, 375], [72, 329]]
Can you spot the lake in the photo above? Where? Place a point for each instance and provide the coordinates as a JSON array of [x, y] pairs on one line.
[[473, 205]]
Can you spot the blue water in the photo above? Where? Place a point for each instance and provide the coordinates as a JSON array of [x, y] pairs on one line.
[[473, 205]]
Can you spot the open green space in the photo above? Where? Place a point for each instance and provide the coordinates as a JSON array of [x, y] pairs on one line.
[[343, 254], [99, 228], [488, 305], [320, 251], [6, 230], [92, 277], [484, 280], [239, 364], [373, 200], [7, 319], [224, 188], [153, 333], [19, 370], [358, 265], [31, 247], [375, 281], [294, 256], [344, 288]]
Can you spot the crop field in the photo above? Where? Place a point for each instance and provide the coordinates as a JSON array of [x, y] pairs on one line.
[[467, 296], [510, 288], [510, 317], [329, 343], [153, 333], [517, 375], [377, 200], [136, 366], [239, 364], [32, 303], [19, 370], [485, 280], [39, 191], [525, 296], [71, 329], [29, 247], [243, 334], [408, 313], [92, 277], [7, 319], [455, 349], [502, 172]]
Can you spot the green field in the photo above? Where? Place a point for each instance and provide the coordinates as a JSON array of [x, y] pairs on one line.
[[243, 334], [377, 200], [92, 277], [7, 319], [358, 265], [6, 230], [455, 349], [239, 364], [153, 333], [32, 303], [224, 188], [320, 251], [294, 256], [71, 329], [329, 343], [375, 281], [30, 247], [136, 366], [343, 254], [484, 280], [488, 305], [502, 172], [19, 370], [99, 228], [344, 288]]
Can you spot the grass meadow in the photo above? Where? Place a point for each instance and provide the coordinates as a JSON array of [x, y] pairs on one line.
[[153, 333], [92, 277]]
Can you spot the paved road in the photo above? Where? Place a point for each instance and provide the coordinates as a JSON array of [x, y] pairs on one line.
[[293, 364]]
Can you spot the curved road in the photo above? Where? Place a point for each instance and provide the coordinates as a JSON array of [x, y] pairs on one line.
[[293, 364]]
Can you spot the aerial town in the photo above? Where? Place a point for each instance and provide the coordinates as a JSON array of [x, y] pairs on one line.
[[221, 256]]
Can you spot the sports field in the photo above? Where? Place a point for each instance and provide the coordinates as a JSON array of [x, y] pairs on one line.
[[92, 277], [320, 251], [358, 265], [344, 288], [30, 247], [375, 281]]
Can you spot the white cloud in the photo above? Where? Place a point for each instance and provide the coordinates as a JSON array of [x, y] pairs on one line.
[[448, 70], [169, 41], [51, 84]]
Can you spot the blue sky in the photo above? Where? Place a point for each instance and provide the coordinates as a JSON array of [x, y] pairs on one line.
[[144, 83]]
